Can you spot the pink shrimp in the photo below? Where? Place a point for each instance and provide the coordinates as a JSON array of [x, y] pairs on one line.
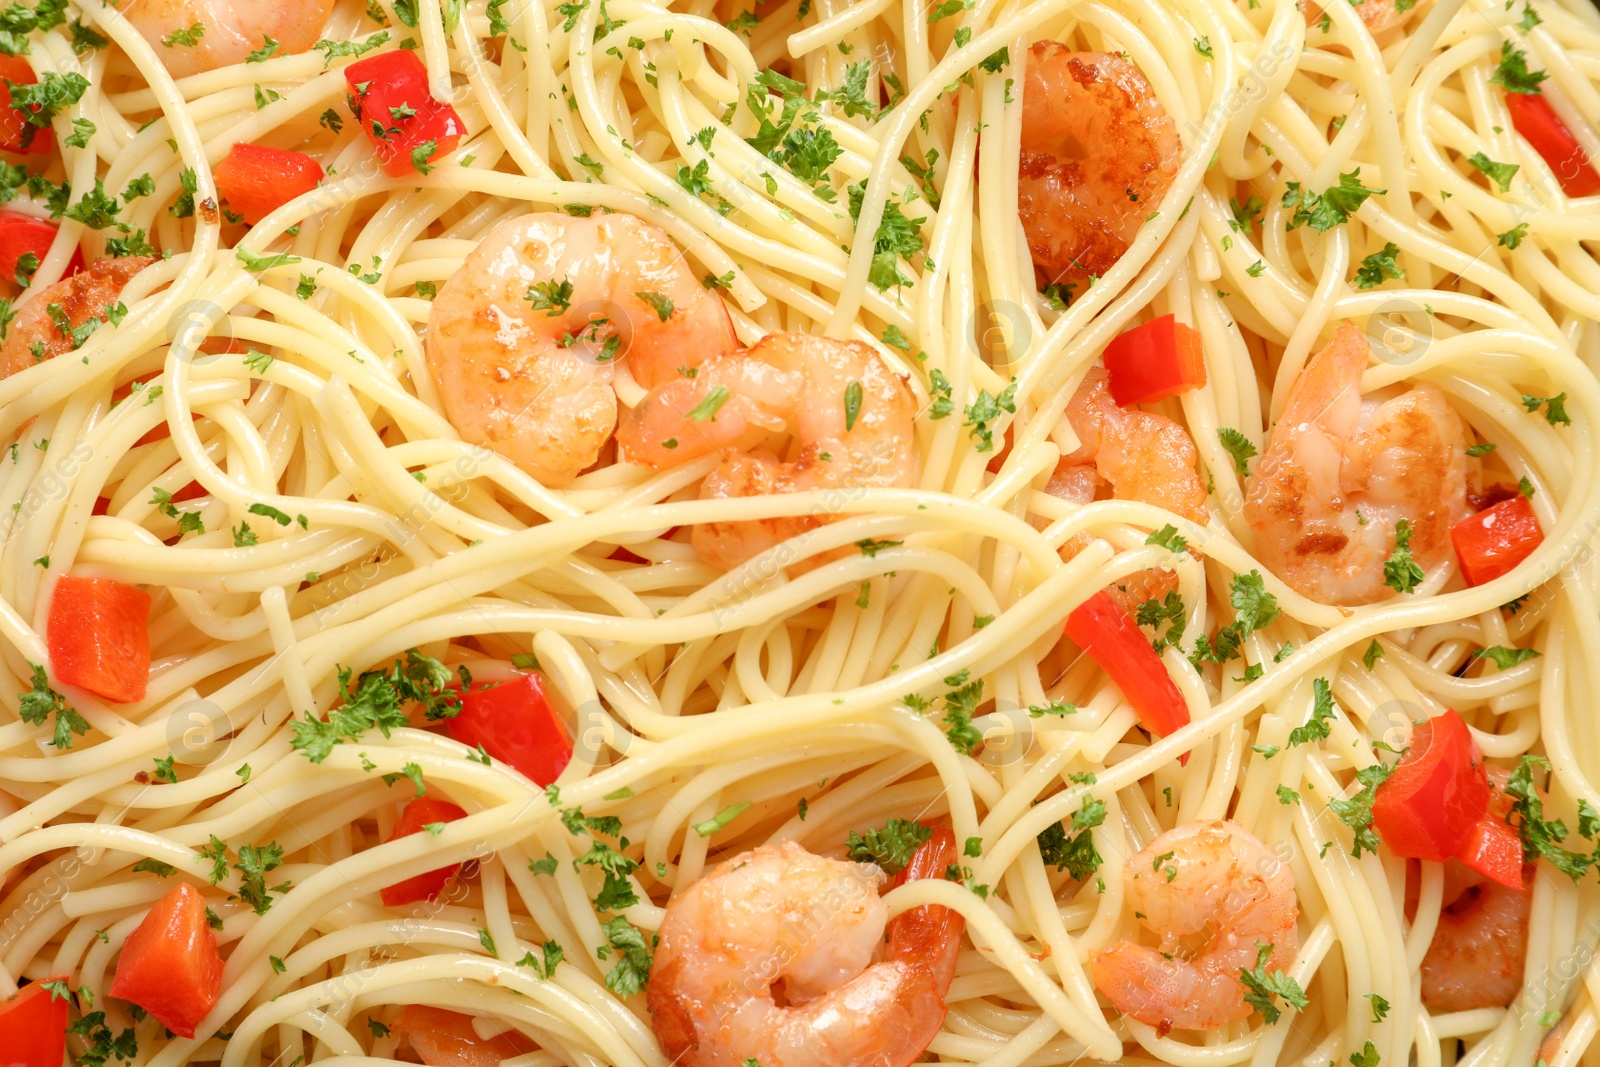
[[1212, 891], [524, 339], [769, 958], [850, 417], [1141, 456], [88, 294], [1340, 474], [1098, 154]]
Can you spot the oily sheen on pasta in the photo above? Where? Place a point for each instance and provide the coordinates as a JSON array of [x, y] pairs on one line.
[[831, 532]]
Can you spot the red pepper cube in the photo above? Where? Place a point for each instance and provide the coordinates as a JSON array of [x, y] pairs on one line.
[[17, 134], [254, 181], [34, 1024], [1534, 118], [1435, 795], [170, 966], [389, 97], [99, 637], [516, 724], [1492, 542], [1152, 362], [421, 813], [1494, 850], [21, 235], [1114, 641]]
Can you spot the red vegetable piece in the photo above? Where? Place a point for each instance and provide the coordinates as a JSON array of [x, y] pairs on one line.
[[1162, 358], [427, 885], [446, 1039], [34, 1025], [21, 234], [1114, 641], [169, 965], [516, 724], [16, 133], [1436, 794], [1541, 127], [255, 181], [99, 637], [1494, 850], [390, 98], [1492, 542]]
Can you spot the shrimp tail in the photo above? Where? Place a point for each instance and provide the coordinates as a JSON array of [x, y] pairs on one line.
[[929, 936]]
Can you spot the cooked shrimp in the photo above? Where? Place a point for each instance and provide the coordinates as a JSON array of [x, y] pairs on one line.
[[849, 414], [229, 30], [84, 296], [1141, 456], [523, 340], [770, 958], [1340, 472], [446, 1039], [1475, 959], [1212, 890], [1098, 154], [1378, 15]]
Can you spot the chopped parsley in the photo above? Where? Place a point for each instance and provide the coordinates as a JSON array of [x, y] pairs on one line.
[[37, 705], [1315, 728], [890, 848], [1332, 207], [1401, 572], [1555, 408], [1512, 73], [1261, 987], [1379, 266]]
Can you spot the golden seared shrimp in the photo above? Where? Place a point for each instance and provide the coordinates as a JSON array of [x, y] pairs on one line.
[[229, 30], [1141, 456], [849, 415], [524, 339], [1212, 891], [1098, 154], [1479, 948], [770, 958], [1341, 472], [85, 295]]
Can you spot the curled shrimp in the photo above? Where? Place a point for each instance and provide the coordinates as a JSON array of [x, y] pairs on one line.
[[524, 339], [1213, 891], [1477, 955], [1098, 154], [1341, 472], [770, 958], [229, 30], [850, 416], [1141, 456], [36, 335]]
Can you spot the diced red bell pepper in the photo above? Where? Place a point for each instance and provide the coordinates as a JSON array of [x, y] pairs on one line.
[[17, 134], [1494, 850], [99, 637], [34, 1025], [390, 99], [1435, 795], [1541, 127], [516, 724], [169, 965], [255, 181], [1162, 358], [446, 1039], [1492, 542], [21, 234], [1113, 640], [425, 886]]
